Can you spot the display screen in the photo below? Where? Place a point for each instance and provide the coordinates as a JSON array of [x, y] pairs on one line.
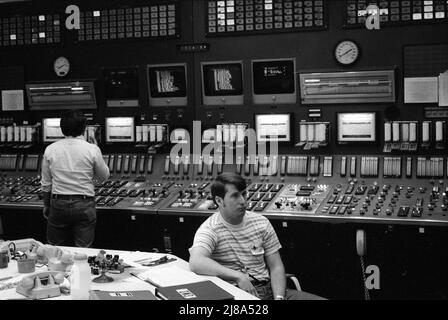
[[223, 79], [356, 127], [120, 129], [273, 127], [273, 77], [121, 83], [51, 128], [167, 81]]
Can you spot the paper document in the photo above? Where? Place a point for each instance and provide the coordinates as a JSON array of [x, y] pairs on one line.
[[443, 89], [170, 276], [421, 90], [12, 100]]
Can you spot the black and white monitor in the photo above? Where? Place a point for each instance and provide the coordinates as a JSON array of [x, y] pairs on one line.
[[121, 86], [274, 81], [222, 83], [120, 129], [51, 129], [356, 127], [273, 127], [167, 84]]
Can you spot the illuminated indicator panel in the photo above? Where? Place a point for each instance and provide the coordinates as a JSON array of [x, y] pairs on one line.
[[252, 16], [398, 12], [30, 30], [130, 23]]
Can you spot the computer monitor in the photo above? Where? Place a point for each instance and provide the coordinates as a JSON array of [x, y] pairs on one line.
[[167, 85], [273, 127], [121, 87], [222, 83], [51, 129], [120, 129], [274, 81], [356, 127]]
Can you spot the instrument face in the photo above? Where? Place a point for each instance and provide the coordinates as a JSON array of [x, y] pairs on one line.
[[347, 52]]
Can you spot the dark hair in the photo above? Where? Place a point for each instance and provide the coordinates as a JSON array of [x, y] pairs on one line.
[[73, 123], [219, 186]]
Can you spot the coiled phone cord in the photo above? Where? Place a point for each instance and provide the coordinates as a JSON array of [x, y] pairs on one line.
[[366, 291]]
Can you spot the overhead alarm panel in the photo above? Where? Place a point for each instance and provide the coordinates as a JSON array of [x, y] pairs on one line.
[[347, 87]]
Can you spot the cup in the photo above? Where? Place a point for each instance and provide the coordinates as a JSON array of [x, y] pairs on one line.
[[26, 265], [4, 259]]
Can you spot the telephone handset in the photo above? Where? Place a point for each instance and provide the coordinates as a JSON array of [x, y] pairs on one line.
[[176, 165], [353, 167], [220, 165], [200, 164], [283, 166], [210, 167], [149, 165], [141, 167], [134, 164], [126, 163], [111, 163], [343, 166], [273, 166], [256, 166], [41, 285], [361, 249], [118, 166], [186, 165], [167, 165], [239, 165], [21, 158], [247, 166]]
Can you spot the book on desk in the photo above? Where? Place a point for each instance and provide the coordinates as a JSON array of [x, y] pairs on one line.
[[122, 295], [203, 290]]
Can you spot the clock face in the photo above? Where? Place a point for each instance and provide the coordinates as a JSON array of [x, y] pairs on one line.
[[346, 52], [61, 66]]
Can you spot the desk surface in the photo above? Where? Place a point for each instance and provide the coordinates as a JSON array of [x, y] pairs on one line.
[[124, 281]]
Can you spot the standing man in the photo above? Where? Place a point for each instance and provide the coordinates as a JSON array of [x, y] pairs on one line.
[[68, 169], [241, 247]]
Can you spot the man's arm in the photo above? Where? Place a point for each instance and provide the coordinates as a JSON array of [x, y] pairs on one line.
[[101, 170], [277, 273], [46, 183], [201, 263]]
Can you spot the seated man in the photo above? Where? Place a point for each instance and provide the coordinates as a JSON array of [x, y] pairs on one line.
[[241, 247]]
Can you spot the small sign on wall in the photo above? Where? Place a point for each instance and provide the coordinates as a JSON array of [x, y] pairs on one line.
[[12, 100]]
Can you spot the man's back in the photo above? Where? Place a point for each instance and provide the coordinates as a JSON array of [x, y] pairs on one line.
[[72, 164]]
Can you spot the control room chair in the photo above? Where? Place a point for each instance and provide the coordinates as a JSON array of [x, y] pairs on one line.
[[293, 279]]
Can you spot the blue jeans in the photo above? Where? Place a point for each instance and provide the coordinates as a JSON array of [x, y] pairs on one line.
[[71, 222], [265, 293]]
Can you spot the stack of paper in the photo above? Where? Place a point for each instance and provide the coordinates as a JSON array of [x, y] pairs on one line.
[[170, 276]]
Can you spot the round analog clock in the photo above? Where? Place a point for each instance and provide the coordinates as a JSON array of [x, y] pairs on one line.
[[61, 66], [346, 52]]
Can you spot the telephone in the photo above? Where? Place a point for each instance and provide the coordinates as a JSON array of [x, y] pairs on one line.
[[361, 249], [41, 285], [18, 246]]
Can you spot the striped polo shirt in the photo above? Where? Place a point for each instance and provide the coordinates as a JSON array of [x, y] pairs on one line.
[[240, 247]]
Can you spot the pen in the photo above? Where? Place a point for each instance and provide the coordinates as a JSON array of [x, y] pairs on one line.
[[5, 278], [144, 279]]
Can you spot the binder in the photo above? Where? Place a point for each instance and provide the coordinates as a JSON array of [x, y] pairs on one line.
[[203, 290], [122, 295]]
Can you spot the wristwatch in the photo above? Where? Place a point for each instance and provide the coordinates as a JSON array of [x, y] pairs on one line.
[[279, 297]]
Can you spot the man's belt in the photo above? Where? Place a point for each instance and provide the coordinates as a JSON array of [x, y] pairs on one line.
[[71, 197]]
